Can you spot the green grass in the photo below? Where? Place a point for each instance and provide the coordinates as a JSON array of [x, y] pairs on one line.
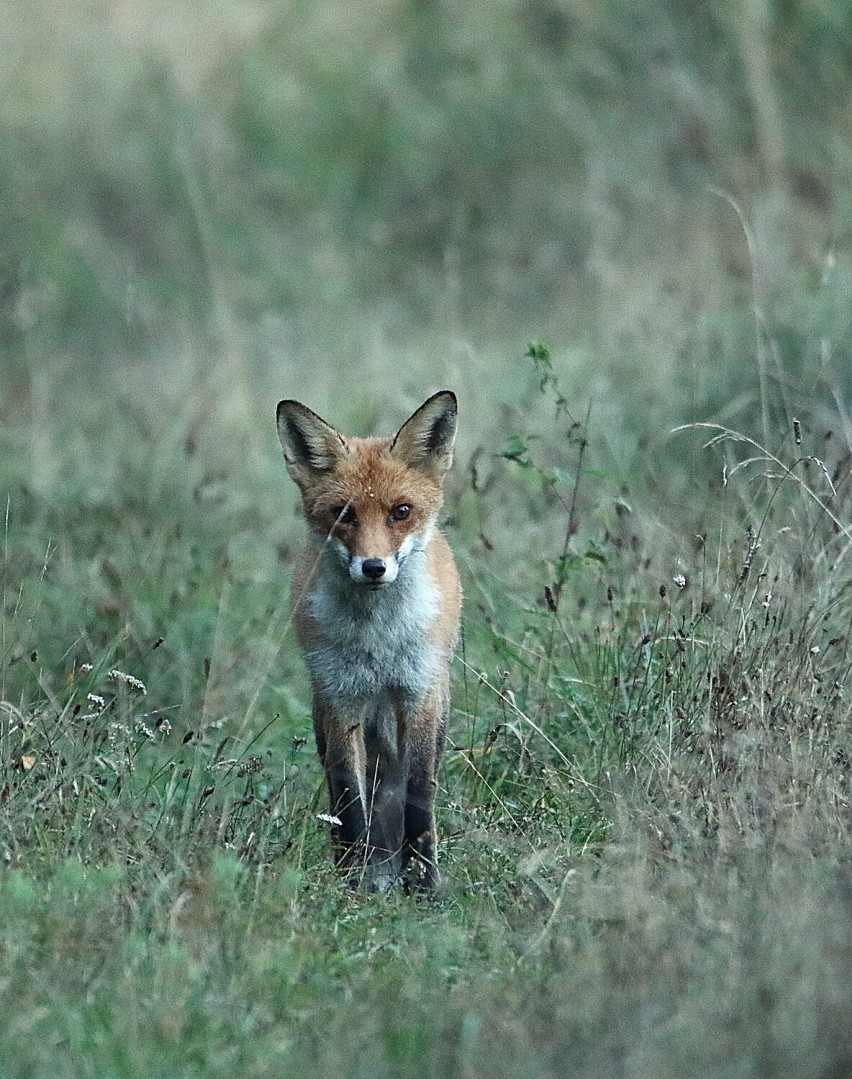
[[644, 809]]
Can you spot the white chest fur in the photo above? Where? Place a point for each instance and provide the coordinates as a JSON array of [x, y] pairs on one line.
[[373, 641]]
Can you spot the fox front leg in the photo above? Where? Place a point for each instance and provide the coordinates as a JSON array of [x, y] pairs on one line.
[[426, 744], [386, 792], [341, 750]]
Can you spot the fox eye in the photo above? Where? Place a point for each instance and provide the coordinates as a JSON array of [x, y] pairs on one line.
[[344, 515], [401, 512]]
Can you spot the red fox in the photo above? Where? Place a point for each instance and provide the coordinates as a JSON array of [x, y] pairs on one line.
[[376, 607]]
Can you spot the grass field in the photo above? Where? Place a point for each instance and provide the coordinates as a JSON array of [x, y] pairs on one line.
[[620, 233]]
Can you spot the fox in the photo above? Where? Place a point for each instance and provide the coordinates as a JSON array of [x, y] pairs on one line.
[[376, 606]]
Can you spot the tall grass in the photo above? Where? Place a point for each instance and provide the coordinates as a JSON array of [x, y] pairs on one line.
[[644, 805], [643, 813]]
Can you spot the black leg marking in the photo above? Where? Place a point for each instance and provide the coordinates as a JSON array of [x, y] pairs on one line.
[[419, 852]]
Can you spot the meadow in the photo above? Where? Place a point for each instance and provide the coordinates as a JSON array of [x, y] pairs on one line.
[[620, 232]]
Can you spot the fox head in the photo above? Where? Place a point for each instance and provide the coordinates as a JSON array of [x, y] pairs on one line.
[[374, 499]]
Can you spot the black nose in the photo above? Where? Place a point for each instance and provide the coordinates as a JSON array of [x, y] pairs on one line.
[[374, 568]]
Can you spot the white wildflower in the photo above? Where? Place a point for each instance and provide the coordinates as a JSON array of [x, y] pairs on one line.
[[117, 732], [128, 679]]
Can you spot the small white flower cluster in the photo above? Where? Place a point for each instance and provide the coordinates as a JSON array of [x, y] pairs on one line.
[[117, 733], [119, 676], [98, 701], [129, 680]]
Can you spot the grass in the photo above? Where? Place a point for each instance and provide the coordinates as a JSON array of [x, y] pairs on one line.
[[645, 804]]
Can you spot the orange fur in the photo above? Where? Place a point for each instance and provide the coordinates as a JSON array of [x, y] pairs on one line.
[[377, 602]]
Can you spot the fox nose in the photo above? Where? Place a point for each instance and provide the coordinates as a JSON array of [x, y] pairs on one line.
[[374, 568]]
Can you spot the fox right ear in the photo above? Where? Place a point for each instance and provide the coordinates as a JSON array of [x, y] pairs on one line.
[[310, 445]]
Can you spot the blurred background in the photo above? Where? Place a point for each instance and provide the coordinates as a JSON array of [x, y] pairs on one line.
[[407, 190], [210, 206]]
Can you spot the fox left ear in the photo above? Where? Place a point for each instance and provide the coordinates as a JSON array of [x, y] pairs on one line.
[[426, 439]]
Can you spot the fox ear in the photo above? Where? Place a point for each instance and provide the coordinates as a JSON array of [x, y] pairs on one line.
[[309, 443], [425, 440]]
